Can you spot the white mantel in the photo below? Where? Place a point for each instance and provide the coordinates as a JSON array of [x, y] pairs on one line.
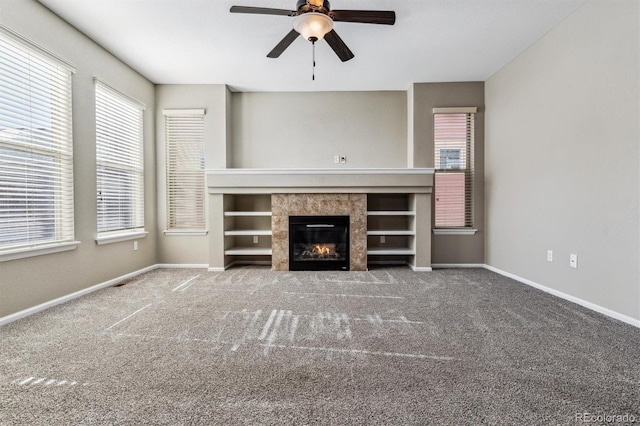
[[256, 181]]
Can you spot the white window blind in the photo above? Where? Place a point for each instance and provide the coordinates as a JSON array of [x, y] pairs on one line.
[[454, 171], [36, 147], [184, 131], [119, 162]]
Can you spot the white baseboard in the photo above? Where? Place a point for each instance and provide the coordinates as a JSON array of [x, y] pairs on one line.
[[604, 311], [182, 266], [41, 307], [419, 268], [458, 265]]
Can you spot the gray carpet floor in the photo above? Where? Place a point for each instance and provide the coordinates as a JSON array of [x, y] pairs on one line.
[[251, 346]]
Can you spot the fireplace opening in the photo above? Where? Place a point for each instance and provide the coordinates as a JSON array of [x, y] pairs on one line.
[[318, 243]]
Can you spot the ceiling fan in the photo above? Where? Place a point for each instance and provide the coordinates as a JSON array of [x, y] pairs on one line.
[[313, 19]]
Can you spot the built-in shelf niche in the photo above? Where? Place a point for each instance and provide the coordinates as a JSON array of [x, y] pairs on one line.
[[247, 216], [390, 227]]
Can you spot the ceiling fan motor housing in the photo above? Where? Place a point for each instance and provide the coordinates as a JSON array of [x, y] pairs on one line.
[[304, 6]]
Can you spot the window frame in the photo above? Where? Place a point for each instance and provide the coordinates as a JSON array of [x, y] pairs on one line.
[[196, 139], [469, 173], [35, 73], [112, 158]]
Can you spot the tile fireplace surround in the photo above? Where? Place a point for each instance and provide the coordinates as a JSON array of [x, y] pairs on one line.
[[285, 205], [312, 192]]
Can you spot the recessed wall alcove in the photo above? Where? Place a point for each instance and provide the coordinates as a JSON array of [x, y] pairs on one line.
[[246, 204]]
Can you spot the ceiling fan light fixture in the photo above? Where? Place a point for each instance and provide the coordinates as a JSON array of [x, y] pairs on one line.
[[313, 25]]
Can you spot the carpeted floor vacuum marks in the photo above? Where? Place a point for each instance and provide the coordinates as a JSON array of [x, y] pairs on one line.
[[251, 346]]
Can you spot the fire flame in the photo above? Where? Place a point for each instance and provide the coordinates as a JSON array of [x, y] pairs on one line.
[[322, 249]]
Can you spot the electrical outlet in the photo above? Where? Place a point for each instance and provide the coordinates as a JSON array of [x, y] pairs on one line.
[[135, 245], [343, 159], [336, 159], [573, 260], [383, 239], [255, 239], [549, 255]]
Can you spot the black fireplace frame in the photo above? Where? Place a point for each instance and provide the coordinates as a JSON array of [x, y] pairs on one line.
[[319, 222]]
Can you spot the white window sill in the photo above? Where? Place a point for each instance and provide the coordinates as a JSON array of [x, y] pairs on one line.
[[37, 250], [455, 231], [182, 232], [116, 237]]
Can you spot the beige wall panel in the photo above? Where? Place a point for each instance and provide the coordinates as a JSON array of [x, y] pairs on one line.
[[450, 249], [214, 99], [306, 130], [563, 159]]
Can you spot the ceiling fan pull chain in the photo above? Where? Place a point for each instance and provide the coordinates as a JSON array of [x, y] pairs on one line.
[[313, 72]]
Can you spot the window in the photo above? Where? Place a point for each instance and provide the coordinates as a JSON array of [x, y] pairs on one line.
[[454, 180], [120, 164], [184, 131], [36, 150]]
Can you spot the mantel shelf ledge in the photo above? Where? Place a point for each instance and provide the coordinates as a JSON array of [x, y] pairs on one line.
[[386, 180]]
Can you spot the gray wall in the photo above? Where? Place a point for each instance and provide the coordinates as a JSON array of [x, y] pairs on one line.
[[422, 98], [562, 159], [28, 282], [215, 99], [306, 130]]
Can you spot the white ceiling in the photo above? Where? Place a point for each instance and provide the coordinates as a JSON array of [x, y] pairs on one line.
[[201, 42]]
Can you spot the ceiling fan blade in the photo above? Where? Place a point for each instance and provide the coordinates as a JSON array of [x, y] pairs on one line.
[[338, 46], [385, 17], [262, 11], [284, 43]]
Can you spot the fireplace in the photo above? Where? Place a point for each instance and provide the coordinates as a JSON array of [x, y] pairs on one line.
[[318, 243]]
